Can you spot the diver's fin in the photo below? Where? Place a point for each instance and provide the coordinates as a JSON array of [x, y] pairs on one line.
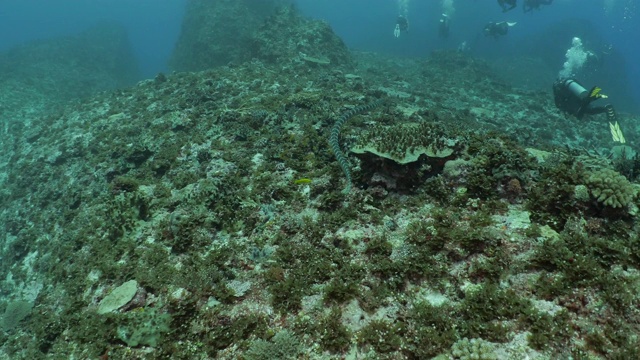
[[595, 93], [616, 133]]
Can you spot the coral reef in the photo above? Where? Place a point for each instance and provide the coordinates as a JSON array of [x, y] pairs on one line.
[[215, 197]]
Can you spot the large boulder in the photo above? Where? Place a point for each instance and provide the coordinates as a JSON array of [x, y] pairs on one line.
[[218, 33], [287, 36]]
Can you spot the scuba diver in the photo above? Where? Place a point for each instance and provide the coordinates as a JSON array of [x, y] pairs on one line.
[[402, 25], [529, 5], [497, 29], [572, 98], [507, 5], [443, 26]]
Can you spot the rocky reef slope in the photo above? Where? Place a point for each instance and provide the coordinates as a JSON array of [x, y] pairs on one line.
[[201, 215]]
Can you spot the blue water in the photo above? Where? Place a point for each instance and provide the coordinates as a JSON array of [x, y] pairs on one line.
[[154, 25], [366, 27]]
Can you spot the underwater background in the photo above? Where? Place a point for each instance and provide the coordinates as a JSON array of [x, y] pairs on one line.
[[612, 27], [299, 179]]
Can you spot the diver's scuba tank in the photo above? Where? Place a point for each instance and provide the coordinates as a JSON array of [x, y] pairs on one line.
[[576, 89]]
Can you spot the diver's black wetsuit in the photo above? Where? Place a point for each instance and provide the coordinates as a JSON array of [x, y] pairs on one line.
[[443, 27], [402, 23], [496, 29], [534, 4], [507, 5]]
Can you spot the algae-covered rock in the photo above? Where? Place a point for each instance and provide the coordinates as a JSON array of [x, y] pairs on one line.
[[284, 345], [15, 312], [144, 327], [119, 297]]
